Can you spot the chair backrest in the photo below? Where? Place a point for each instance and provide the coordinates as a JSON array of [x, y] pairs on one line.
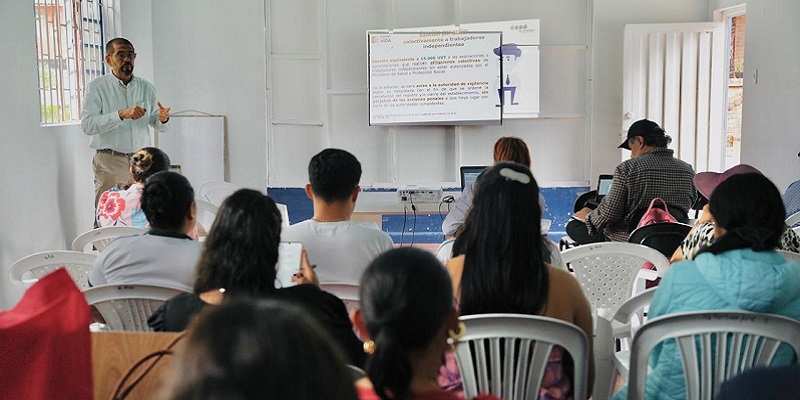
[[347, 292], [29, 269], [545, 226], [751, 339], [101, 237], [607, 271], [506, 354], [681, 215], [215, 192], [445, 251], [790, 255], [284, 214], [206, 214], [662, 236], [126, 307], [793, 219], [583, 199], [614, 332]]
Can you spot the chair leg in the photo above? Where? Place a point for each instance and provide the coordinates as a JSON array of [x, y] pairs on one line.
[[604, 380]]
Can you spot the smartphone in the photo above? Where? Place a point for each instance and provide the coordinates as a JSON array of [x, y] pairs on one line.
[[289, 258]]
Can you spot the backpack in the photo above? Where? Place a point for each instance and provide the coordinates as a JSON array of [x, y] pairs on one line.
[[656, 214]]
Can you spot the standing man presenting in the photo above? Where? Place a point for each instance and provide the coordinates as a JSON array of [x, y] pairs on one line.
[[117, 110]]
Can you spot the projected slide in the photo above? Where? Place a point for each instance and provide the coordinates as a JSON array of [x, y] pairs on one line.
[[446, 78]]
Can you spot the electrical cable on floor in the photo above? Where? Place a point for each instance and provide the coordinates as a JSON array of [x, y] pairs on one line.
[[414, 227], [445, 200], [403, 231]]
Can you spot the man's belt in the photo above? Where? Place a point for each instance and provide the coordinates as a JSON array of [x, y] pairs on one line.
[[115, 153]]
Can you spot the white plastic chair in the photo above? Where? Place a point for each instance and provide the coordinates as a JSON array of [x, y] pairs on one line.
[[506, 354], [126, 307], [610, 272], [206, 214], [544, 228], [793, 219], [445, 251], [284, 214], [614, 326], [215, 192], [347, 292], [101, 237], [752, 340], [790, 255], [29, 269]]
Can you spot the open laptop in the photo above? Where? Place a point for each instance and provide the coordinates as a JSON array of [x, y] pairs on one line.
[[469, 173], [604, 183], [603, 186]]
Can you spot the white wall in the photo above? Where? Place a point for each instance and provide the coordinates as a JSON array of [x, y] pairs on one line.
[[38, 164], [47, 176], [319, 87], [209, 56], [610, 17], [714, 5], [770, 120]]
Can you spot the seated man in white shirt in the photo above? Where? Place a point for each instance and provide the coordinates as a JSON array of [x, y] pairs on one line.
[[165, 255], [341, 249]]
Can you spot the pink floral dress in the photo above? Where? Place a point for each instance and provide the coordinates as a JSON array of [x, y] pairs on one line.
[[121, 207]]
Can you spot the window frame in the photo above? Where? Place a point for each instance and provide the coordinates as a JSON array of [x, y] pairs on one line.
[[70, 52]]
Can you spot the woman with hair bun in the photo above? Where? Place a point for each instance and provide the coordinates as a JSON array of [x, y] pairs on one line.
[[739, 271], [165, 255], [121, 206], [407, 313]]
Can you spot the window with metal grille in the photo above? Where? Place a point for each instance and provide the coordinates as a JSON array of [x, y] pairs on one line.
[[70, 41]]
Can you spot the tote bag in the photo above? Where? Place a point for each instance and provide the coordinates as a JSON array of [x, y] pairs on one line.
[[45, 343]]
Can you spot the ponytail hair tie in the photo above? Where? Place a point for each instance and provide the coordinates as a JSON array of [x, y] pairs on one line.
[[512, 175]]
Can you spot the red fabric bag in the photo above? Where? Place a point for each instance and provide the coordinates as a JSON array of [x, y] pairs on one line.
[[45, 343], [655, 214]]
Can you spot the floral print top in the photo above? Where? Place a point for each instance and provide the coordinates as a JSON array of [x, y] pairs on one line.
[[121, 207]]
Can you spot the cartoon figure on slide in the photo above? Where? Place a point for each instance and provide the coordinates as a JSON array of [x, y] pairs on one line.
[[510, 55]]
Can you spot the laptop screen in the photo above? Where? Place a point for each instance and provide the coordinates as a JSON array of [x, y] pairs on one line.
[[469, 174], [604, 185]]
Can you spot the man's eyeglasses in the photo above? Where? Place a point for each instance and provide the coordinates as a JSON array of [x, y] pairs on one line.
[[125, 54]]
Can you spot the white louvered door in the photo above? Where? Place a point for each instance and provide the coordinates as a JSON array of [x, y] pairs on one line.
[[674, 74]]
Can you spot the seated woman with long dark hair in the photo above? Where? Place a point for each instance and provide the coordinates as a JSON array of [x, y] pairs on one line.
[[239, 260], [502, 269], [249, 350], [408, 315], [740, 271]]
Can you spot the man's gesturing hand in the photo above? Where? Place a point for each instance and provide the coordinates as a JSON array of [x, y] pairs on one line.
[[163, 113], [134, 112]]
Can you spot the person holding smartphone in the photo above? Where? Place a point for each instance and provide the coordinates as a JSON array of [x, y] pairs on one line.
[[239, 260]]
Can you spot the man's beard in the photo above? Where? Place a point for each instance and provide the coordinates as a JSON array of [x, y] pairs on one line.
[[126, 69]]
